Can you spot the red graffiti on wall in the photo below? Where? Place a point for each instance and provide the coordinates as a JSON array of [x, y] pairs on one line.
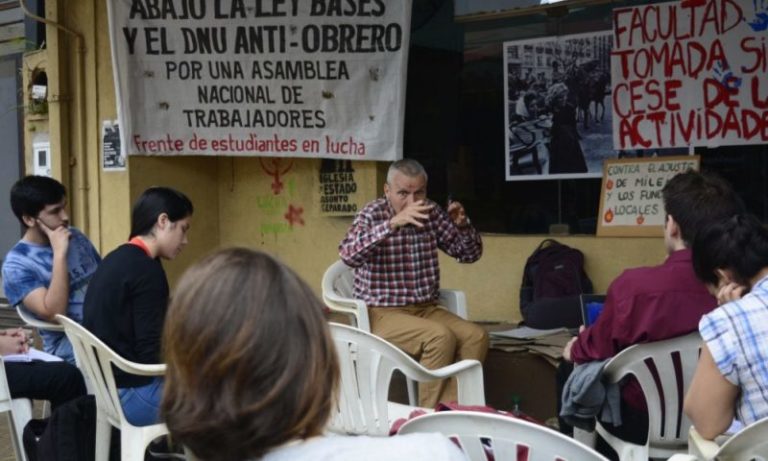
[[293, 216], [273, 167]]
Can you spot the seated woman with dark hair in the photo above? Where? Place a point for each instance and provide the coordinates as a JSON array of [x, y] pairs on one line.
[[128, 295], [731, 379], [253, 373]]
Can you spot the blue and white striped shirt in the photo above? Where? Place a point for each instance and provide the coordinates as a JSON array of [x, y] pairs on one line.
[[736, 334]]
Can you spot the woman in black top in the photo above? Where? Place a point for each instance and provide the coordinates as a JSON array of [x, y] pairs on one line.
[[127, 298]]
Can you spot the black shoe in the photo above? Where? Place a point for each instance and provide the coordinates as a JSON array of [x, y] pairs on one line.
[[161, 448]]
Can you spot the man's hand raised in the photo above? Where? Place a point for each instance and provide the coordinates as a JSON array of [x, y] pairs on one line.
[[58, 237], [458, 214], [414, 213]]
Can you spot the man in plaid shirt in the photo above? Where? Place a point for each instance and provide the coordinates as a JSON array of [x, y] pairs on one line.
[[392, 244]]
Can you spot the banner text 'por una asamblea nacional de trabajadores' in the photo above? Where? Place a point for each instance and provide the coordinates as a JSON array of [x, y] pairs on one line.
[[293, 78]]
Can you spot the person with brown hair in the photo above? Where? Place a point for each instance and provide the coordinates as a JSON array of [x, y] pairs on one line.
[[647, 304], [253, 373]]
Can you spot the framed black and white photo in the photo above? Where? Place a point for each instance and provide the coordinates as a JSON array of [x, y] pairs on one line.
[[557, 100]]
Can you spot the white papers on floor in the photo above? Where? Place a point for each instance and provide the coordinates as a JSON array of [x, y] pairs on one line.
[[32, 354]]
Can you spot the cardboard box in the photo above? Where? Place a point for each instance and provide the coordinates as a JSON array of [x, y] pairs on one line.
[[528, 376]]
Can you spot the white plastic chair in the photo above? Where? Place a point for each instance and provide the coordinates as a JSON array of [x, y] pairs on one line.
[[35, 322], [367, 363], [750, 443], [338, 286], [19, 413], [664, 370], [96, 360], [507, 439]]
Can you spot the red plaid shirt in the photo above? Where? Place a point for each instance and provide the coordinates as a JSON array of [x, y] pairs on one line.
[[400, 267]]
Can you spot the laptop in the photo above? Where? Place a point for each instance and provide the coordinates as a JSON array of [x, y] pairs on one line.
[[591, 306]]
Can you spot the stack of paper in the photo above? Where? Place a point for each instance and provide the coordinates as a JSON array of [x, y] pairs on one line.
[[526, 333], [547, 343]]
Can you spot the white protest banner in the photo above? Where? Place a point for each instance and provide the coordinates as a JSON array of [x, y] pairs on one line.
[[690, 73], [284, 78]]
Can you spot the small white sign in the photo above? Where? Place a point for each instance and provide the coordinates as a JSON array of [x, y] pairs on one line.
[[42, 158], [631, 200], [39, 92]]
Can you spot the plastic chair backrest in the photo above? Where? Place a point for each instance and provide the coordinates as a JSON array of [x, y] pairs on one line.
[[342, 278], [367, 362], [664, 370], [96, 360], [338, 287], [749, 443], [5, 392], [20, 410], [34, 322], [505, 438]]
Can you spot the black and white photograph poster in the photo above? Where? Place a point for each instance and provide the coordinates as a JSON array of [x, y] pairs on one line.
[[112, 155], [558, 106]]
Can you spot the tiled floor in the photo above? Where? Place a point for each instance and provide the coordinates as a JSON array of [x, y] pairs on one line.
[[6, 449]]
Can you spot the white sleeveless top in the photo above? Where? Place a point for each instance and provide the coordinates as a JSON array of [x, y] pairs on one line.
[[411, 447]]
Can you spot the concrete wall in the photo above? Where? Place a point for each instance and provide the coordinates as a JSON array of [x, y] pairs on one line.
[[235, 201], [10, 158]]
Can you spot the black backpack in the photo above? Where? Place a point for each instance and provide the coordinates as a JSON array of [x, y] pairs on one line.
[[553, 279], [68, 435]]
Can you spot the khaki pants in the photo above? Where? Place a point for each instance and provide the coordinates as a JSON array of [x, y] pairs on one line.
[[435, 337]]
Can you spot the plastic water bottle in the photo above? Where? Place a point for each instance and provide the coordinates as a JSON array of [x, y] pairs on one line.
[[516, 405]]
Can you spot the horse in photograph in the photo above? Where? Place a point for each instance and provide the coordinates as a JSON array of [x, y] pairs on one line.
[[587, 84]]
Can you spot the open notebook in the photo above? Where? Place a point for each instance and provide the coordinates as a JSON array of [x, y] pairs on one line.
[[32, 354]]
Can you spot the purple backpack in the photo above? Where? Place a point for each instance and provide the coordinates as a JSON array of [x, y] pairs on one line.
[[553, 279]]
